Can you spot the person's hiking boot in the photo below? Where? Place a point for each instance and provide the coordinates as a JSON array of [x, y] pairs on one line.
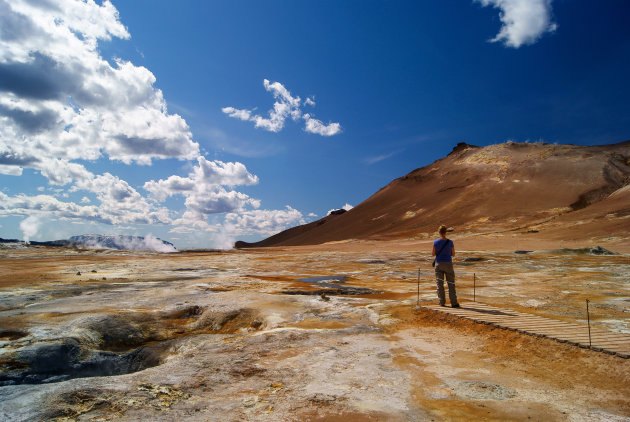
[[442, 304], [455, 306]]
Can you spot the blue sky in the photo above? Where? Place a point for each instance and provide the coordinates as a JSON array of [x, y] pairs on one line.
[[202, 122]]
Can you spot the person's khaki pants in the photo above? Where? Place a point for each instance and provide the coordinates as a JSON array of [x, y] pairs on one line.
[[445, 269]]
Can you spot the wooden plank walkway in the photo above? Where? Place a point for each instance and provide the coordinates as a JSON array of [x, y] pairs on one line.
[[564, 332]]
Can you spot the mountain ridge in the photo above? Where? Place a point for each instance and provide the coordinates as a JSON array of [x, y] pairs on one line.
[[497, 188]]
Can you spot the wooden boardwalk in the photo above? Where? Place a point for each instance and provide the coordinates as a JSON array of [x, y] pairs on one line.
[[564, 332]]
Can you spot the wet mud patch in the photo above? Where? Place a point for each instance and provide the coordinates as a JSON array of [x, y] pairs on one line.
[[11, 335], [349, 291], [329, 286], [113, 344], [61, 361]]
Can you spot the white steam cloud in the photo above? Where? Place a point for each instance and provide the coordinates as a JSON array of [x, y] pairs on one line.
[[134, 243], [30, 226]]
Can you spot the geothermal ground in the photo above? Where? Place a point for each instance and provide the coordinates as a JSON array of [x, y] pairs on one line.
[[327, 332]]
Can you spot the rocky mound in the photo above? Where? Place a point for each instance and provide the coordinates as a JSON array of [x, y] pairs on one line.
[[529, 187]]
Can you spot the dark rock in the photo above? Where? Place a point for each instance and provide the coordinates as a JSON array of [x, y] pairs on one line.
[[338, 212], [473, 259], [50, 358], [523, 252], [461, 147], [370, 261], [593, 250], [349, 291]]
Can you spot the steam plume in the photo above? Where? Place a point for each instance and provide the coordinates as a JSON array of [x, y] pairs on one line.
[[30, 227]]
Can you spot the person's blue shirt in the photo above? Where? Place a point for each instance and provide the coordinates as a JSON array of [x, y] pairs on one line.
[[445, 254]]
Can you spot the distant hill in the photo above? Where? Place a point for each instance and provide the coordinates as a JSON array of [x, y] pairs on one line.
[[564, 190], [98, 241]]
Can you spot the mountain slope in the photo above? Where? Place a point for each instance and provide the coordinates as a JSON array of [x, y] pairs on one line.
[[509, 186]]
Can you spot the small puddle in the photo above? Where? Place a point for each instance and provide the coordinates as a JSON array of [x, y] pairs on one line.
[[332, 281], [332, 285]]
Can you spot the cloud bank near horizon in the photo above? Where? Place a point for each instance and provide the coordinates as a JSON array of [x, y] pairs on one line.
[[284, 107], [524, 21]]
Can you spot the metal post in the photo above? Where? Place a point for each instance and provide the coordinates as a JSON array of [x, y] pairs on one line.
[[418, 300], [588, 318], [474, 286]]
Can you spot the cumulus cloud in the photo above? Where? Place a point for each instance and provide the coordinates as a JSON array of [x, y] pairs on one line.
[[317, 127], [204, 191], [63, 106], [10, 170], [204, 186], [265, 222], [524, 21], [60, 101], [22, 204], [286, 106]]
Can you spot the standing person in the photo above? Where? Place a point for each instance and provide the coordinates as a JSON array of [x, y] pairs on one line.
[[444, 251]]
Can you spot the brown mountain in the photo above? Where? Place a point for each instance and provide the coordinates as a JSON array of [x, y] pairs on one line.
[[564, 191]]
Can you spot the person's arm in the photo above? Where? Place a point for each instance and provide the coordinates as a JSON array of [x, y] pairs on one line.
[[433, 253], [453, 250]]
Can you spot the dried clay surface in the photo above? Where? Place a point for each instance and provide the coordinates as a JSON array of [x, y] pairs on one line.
[[326, 333]]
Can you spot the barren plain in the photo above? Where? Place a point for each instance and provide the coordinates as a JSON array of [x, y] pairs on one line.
[[327, 332]]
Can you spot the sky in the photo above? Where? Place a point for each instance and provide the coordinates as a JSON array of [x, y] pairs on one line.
[[205, 122]]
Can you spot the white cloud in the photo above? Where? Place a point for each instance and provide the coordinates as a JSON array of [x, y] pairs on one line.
[[61, 101], [48, 205], [266, 222], [206, 178], [524, 21], [217, 200], [317, 127], [236, 113], [220, 173], [284, 107], [205, 192], [10, 170]]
